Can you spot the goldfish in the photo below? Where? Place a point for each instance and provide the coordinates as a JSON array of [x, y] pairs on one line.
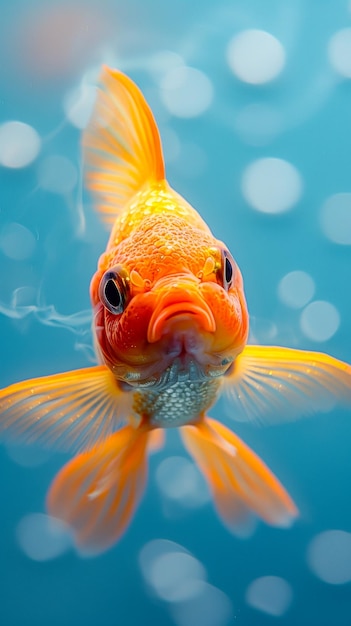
[[170, 328]]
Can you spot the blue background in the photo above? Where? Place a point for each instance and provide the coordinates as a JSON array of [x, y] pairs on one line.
[[311, 457]]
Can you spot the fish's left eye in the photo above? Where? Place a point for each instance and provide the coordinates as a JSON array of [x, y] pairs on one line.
[[228, 266], [113, 290]]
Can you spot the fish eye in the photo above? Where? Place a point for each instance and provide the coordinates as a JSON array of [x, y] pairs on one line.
[[113, 290], [227, 273]]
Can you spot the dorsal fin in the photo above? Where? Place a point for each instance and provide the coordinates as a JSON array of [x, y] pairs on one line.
[[121, 145]]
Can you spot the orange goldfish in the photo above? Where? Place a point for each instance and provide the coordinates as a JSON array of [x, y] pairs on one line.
[[170, 331]]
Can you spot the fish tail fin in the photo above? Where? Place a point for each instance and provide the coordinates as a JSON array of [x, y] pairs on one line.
[[97, 492], [156, 440], [121, 145], [239, 481]]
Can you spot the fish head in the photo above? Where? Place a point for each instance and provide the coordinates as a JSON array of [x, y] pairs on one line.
[[182, 315]]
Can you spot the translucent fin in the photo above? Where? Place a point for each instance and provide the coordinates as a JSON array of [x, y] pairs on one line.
[[239, 481], [156, 440], [97, 492], [277, 384], [68, 411], [122, 147]]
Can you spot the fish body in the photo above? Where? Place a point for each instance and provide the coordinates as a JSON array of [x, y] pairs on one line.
[[170, 332], [157, 348]]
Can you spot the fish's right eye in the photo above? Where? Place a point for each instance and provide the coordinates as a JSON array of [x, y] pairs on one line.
[[113, 290]]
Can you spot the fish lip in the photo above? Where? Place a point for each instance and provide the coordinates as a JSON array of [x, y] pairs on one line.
[[182, 311]]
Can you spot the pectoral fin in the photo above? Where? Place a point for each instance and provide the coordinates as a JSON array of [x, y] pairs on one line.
[[68, 411], [276, 384]]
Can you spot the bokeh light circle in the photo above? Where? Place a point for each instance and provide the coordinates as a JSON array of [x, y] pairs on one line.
[[339, 52], [179, 480], [17, 242], [320, 320], [27, 456], [78, 105], [296, 289], [336, 218], [329, 556], [255, 56], [208, 607], [186, 91], [271, 185], [171, 572], [19, 144], [270, 594], [42, 538]]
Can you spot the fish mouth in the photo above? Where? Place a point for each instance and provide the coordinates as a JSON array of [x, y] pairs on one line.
[[181, 316], [179, 370]]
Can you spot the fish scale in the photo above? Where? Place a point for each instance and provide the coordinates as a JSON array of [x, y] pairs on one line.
[[161, 201], [181, 403]]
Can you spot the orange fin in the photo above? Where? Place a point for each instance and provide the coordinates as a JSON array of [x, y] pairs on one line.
[[156, 439], [121, 145], [68, 411], [276, 384], [97, 492], [239, 481]]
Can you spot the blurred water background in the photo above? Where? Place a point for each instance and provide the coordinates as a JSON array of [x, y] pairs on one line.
[[253, 100]]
